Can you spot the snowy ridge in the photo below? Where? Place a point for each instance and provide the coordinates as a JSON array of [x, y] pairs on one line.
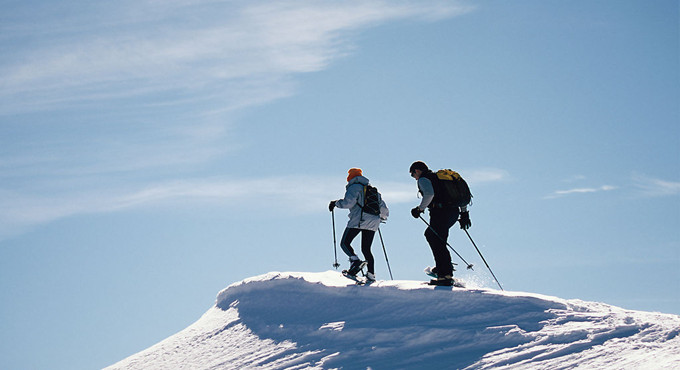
[[290, 320]]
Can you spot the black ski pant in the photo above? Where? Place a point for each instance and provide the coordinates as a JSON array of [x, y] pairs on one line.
[[441, 220], [366, 241]]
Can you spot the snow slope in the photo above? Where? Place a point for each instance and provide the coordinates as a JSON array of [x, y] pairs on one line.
[[290, 320]]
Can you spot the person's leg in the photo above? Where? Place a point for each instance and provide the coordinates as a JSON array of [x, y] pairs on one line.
[[441, 221], [355, 261], [366, 241], [345, 242]]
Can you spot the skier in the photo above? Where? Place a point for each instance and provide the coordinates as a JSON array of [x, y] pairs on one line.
[[360, 221], [442, 217]]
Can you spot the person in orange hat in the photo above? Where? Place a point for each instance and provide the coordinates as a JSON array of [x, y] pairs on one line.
[[360, 221]]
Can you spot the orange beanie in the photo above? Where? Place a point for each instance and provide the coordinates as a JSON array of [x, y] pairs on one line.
[[353, 172]]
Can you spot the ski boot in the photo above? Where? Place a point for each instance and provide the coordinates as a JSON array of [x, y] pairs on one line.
[[355, 266], [370, 277]]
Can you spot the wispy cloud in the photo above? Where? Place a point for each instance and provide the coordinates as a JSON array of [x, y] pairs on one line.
[[562, 193], [231, 52], [646, 186], [654, 187], [152, 84], [131, 93], [22, 211], [485, 175]]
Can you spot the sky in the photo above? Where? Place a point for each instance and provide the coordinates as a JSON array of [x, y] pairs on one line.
[[154, 152]]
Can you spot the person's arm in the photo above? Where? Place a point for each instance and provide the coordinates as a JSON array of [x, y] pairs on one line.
[[351, 197], [426, 188]]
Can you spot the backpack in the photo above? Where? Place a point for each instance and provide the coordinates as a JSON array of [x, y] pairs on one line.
[[371, 200], [454, 189]]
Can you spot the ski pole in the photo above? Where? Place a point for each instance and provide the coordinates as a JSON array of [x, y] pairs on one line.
[[480, 254], [335, 244], [385, 251], [469, 265]]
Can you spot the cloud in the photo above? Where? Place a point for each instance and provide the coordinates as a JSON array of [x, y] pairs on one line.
[[646, 186], [562, 193], [134, 86], [22, 211], [231, 52], [653, 187], [104, 100], [485, 175], [398, 192]]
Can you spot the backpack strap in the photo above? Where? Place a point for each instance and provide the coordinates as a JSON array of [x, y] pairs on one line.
[[361, 217]]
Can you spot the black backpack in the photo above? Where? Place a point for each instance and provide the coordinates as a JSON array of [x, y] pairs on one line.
[[452, 188], [371, 201]]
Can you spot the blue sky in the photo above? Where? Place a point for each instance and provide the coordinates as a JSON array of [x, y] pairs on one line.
[[151, 153]]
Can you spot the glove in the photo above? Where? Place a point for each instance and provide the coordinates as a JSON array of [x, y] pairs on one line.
[[415, 212], [332, 205], [464, 220]]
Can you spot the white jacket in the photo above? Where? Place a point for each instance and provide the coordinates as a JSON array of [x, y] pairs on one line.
[[354, 200]]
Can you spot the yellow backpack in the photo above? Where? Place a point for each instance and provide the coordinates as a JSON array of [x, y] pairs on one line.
[[457, 190]]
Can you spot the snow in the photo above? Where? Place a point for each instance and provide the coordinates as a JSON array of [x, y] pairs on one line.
[[302, 320]]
